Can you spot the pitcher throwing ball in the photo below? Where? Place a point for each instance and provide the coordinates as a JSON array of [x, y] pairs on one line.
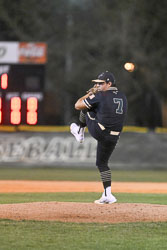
[[102, 110]]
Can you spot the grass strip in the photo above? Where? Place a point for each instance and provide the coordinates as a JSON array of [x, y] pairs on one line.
[[8, 198], [78, 236], [80, 174]]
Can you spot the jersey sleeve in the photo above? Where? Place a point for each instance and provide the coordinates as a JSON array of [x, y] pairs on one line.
[[92, 101]]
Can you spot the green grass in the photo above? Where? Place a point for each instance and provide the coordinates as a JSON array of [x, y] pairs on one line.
[[80, 174], [76, 236], [81, 197]]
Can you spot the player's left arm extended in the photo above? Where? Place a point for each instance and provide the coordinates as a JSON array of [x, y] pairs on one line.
[[79, 105]]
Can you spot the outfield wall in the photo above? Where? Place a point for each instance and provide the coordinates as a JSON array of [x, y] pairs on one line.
[[135, 150]]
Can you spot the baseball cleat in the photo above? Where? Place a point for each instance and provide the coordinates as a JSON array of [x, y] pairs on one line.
[[77, 132], [106, 200]]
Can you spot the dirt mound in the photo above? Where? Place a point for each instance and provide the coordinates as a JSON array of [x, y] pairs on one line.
[[84, 212]]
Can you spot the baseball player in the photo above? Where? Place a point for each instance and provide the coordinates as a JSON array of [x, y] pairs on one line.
[[102, 110]]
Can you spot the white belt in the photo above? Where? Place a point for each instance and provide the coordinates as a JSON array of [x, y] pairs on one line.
[[111, 132]]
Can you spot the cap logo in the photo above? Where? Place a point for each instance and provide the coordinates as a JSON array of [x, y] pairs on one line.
[[101, 75]]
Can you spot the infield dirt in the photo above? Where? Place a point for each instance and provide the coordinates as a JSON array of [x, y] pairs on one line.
[[82, 212], [10, 186]]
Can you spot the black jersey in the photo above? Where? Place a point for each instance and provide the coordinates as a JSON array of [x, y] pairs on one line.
[[110, 107]]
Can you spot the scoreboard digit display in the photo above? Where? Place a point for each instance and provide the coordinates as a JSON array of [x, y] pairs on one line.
[[22, 85]]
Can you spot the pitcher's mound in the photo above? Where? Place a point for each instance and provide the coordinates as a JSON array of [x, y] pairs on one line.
[[84, 212]]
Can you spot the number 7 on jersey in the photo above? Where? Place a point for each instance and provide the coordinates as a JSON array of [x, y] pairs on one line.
[[119, 102]]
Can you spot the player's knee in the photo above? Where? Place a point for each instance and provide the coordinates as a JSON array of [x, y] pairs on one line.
[[102, 167]]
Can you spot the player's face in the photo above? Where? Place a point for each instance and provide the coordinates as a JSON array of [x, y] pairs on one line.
[[102, 86]]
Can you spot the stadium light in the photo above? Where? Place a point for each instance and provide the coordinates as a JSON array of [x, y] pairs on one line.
[[129, 66]]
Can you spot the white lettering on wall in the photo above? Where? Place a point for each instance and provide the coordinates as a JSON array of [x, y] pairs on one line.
[[41, 149]]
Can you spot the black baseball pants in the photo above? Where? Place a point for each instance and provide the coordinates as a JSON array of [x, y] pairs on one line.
[[105, 145]]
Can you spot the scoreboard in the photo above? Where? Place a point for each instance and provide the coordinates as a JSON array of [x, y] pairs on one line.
[[21, 94], [22, 85]]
